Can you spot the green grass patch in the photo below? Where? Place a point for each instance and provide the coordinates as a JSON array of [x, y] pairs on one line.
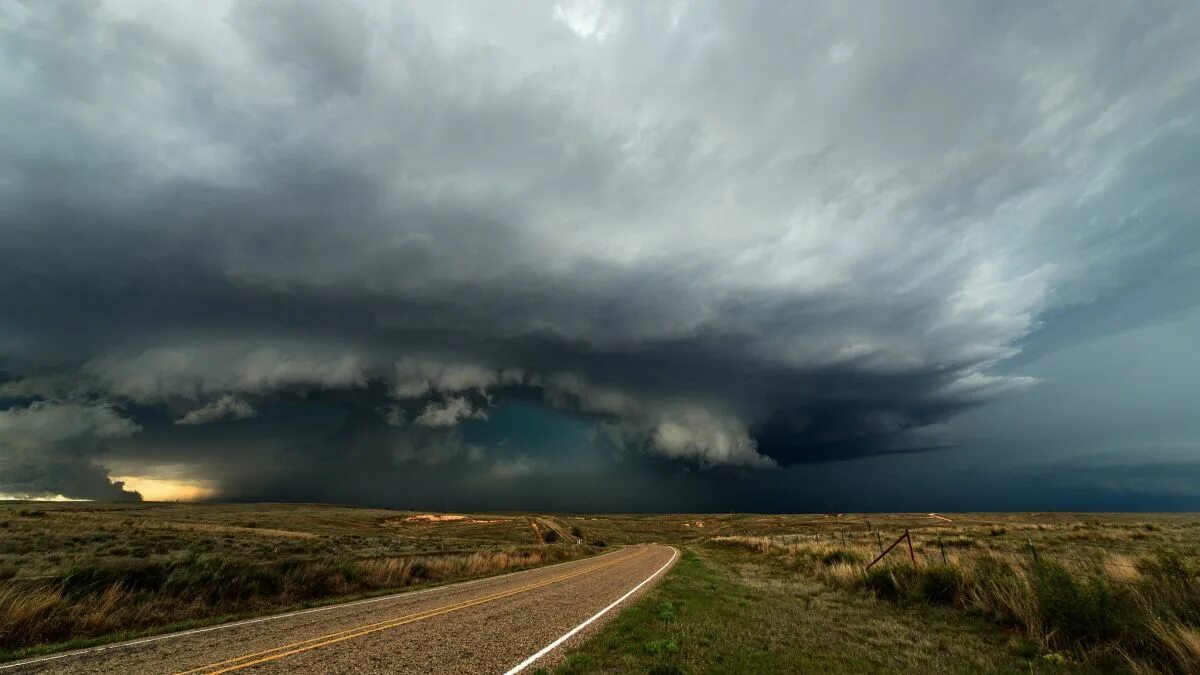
[[730, 611]]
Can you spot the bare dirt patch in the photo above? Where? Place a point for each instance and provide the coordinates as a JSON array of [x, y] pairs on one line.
[[434, 518]]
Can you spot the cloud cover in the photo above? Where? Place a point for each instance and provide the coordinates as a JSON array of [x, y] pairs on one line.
[[727, 234]]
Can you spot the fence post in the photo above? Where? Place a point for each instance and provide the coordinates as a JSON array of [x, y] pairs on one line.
[[887, 550], [911, 555], [843, 538], [1033, 551], [943, 547], [879, 540]]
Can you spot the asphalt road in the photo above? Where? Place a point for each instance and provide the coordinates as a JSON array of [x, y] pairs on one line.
[[493, 625]]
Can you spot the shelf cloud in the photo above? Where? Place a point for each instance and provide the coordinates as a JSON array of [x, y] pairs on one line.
[[725, 237]]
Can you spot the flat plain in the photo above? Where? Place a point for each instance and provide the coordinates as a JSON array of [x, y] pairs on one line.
[[1042, 592]]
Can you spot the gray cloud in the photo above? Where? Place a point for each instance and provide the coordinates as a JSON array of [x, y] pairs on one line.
[[50, 448], [724, 234]]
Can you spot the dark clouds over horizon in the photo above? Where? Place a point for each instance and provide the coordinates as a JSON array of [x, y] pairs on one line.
[[609, 255]]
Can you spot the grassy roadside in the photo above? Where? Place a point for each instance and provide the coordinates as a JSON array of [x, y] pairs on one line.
[[78, 575], [122, 635], [1110, 607], [729, 612], [214, 620]]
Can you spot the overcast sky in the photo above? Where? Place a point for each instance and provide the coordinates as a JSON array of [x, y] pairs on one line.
[[602, 255]]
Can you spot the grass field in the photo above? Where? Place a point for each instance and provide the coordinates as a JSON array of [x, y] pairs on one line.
[[723, 612], [752, 593], [980, 593], [73, 573]]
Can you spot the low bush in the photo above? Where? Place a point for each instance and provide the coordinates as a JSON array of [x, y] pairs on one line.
[[939, 584], [1087, 610]]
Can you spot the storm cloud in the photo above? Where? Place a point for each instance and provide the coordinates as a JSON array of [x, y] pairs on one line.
[[725, 238]]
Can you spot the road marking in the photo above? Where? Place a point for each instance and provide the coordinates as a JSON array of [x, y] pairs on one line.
[[402, 619], [567, 636], [276, 653], [246, 622]]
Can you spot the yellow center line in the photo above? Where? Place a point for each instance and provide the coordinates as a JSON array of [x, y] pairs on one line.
[[366, 629], [359, 631]]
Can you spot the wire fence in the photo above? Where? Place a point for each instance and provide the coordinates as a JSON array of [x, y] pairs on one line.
[[1041, 543]]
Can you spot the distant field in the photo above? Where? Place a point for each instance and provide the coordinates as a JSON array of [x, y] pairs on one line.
[[753, 593], [74, 572], [978, 593]]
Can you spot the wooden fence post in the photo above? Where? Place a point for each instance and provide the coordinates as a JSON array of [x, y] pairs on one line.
[[884, 552], [943, 547], [911, 555], [879, 540]]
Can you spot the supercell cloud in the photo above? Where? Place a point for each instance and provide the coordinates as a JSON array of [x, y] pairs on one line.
[[300, 250]]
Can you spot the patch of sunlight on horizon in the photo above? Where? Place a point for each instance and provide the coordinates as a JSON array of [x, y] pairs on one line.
[[167, 489]]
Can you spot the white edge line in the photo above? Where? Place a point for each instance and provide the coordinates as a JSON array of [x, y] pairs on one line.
[[246, 622], [569, 634]]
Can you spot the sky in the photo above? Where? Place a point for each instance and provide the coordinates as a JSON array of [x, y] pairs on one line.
[[602, 256]]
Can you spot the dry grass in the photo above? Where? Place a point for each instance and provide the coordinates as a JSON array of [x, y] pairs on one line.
[[1182, 645], [97, 601], [78, 571], [74, 570], [734, 611], [1106, 609]]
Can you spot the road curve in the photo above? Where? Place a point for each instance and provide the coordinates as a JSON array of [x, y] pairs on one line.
[[496, 625]]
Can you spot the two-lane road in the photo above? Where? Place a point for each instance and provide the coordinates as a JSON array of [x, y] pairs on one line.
[[494, 625]]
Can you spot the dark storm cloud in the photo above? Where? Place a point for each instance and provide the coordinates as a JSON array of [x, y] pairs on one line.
[[722, 234]]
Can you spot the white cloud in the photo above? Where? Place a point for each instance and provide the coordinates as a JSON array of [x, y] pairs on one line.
[[448, 412], [698, 434], [48, 422], [417, 377], [227, 406], [195, 371]]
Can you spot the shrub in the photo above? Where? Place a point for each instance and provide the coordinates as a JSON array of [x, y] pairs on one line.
[[1168, 565], [1083, 610], [577, 532], [884, 582], [418, 570], [550, 536], [935, 584], [939, 584]]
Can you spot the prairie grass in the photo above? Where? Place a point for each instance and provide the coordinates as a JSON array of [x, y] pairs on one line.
[[80, 571], [90, 601], [733, 611], [1108, 610]]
